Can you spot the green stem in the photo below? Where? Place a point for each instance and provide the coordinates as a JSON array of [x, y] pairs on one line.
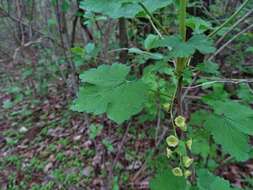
[[181, 62], [182, 19], [229, 19]]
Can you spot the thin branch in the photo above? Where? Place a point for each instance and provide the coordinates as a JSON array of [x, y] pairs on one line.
[[73, 33], [27, 25], [121, 145], [229, 19], [234, 26], [25, 46], [154, 20], [155, 28], [233, 81], [230, 41], [63, 33], [158, 123]]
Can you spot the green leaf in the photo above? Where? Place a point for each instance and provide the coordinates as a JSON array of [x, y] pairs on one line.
[[108, 145], [245, 93], [175, 44], [232, 141], [218, 93], [7, 104], [229, 125], [200, 144], [145, 54], [115, 183], [127, 100], [167, 41], [182, 49], [122, 8], [92, 99], [198, 25], [249, 50], [208, 67], [208, 181], [179, 48], [95, 130], [199, 117], [167, 181], [65, 6], [108, 91], [236, 115], [51, 22], [78, 51], [201, 43], [89, 48], [150, 40], [106, 75], [159, 67]]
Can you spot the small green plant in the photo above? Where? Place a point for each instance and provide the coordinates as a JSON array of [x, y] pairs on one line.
[[108, 145], [95, 130]]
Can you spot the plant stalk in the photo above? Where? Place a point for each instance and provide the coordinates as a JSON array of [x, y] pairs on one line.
[[181, 62]]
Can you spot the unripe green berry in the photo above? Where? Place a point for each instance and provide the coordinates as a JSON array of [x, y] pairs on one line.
[[187, 161], [177, 171], [187, 173], [189, 144], [166, 106], [172, 141], [180, 123]]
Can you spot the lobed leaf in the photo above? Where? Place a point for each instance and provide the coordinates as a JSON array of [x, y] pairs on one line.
[[208, 181], [122, 8], [167, 181], [108, 91], [106, 75], [232, 141], [179, 48], [236, 115]]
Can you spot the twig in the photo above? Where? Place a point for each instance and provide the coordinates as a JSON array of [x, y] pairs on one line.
[[157, 145], [27, 25], [188, 88], [233, 26], [25, 46], [4, 60], [73, 33], [62, 29], [121, 145], [233, 81], [158, 123], [229, 19], [152, 18], [230, 41], [119, 150], [82, 22], [155, 28]]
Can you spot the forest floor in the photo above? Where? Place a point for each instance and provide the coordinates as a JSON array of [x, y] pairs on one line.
[[44, 146]]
